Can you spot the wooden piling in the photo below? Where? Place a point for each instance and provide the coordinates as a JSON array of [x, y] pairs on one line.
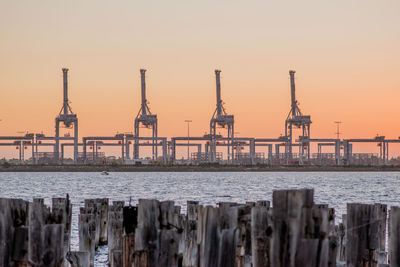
[[116, 258], [146, 234], [128, 250], [190, 250], [92, 206], [294, 232], [342, 239], [364, 240], [261, 233], [287, 211], [130, 218], [52, 246], [13, 232], [209, 237], [242, 226], [20, 244], [99, 207], [394, 238], [61, 211], [115, 232], [87, 234], [333, 238], [78, 258]]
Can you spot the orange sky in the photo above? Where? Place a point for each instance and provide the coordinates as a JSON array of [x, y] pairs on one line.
[[346, 54]]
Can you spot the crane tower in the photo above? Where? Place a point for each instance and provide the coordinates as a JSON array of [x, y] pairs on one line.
[[220, 118], [296, 119], [145, 118], [68, 118]]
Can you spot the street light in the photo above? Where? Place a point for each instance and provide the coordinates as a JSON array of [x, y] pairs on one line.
[[338, 129], [188, 135]]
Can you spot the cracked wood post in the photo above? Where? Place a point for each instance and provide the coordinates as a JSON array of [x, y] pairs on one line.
[[190, 254], [232, 224], [209, 237], [333, 239], [13, 232], [53, 249], [46, 238], [78, 258], [342, 239], [129, 224], [313, 245], [20, 246], [103, 220], [394, 237], [62, 213], [241, 217], [87, 234], [99, 207], [227, 248], [381, 213], [168, 245], [146, 234], [115, 231], [38, 213], [261, 231], [92, 206], [179, 225], [287, 213], [116, 258], [170, 234], [364, 240]]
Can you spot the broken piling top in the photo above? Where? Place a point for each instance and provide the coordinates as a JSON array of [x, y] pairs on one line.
[[289, 200], [394, 236], [366, 231]]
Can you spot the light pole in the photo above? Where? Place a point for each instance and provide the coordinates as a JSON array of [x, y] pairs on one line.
[[236, 147], [188, 136], [338, 129]]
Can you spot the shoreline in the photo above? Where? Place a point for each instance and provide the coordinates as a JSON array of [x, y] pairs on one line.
[[184, 168]]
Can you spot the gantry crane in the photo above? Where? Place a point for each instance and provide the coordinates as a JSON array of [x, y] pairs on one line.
[[296, 119], [147, 119], [68, 118], [220, 118]]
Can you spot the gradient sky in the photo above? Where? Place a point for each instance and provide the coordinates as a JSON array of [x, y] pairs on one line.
[[346, 54]]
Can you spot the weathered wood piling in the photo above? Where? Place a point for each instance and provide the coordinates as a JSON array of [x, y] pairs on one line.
[[78, 258], [294, 231], [32, 234], [366, 234], [114, 233], [394, 237]]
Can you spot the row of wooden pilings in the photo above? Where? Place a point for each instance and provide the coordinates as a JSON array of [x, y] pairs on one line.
[[293, 232]]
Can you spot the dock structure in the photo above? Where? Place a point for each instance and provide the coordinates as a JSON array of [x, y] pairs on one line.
[[222, 119], [296, 119], [292, 148], [292, 230], [69, 119], [147, 119]]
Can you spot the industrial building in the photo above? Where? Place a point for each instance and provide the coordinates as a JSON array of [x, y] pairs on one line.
[[288, 149]]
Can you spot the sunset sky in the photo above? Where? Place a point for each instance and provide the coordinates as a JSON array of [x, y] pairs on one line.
[[346, 54]]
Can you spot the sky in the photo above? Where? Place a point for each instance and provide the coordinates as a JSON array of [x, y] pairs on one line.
[[345, 53]]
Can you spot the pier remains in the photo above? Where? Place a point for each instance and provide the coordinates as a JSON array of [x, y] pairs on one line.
[[291, 231]]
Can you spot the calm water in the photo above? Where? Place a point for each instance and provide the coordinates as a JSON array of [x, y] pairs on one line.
[[333, 188]]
